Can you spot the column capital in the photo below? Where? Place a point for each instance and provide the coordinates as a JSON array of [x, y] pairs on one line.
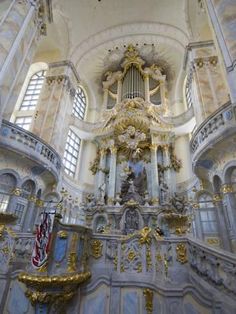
[[113, 150], [217, 198], [39, 203], [32, 198], [226, 188], [165, 147], [16, 191], [153, 147], [102, 152]]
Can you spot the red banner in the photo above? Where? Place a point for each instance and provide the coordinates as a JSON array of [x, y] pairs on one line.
[[42, 241]]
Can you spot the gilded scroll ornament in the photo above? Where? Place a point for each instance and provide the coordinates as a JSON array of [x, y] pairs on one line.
[[40, 281], [148, 294], [145, 236], [47, 297], [96, 248], [62, 234], [131, 255], [181, 252]]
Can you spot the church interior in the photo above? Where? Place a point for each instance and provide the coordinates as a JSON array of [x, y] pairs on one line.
[[118, 157]]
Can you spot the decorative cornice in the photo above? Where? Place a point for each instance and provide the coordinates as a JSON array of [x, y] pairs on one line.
[[195, 45], [65, 63]]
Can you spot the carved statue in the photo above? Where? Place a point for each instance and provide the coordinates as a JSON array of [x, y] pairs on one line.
[[102, 190], [134, 187], [90, 199], [179, 203], [163, 191]]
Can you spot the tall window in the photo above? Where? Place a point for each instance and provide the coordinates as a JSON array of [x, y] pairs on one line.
[[4, 200], [79, 105], [71, 153], [26, 110], [208, 216], [7, 184], [33, 91]]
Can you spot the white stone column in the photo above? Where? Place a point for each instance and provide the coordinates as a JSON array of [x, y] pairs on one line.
[[101, 174], [28, 225], [227, 190], [163, 96], [182, 151], [17, 47], [58, 91], [167, 162], [221, 15], [154, 174], [224, 234], [112, 176]]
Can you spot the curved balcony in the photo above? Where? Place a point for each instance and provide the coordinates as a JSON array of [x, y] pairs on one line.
[[25, 143], [217, 127]]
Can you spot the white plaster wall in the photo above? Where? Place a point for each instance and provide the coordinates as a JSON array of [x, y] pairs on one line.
[[88, 153]]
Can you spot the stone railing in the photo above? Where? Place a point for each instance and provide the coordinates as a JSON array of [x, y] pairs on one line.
[[139, 258], [214, 265], [213, 127], [24, 142]]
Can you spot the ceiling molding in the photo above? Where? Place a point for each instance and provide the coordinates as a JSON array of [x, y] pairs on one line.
[[155, 33]]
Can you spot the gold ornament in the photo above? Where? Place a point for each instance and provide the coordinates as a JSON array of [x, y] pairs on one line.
[[148, 293], [226, 188], [181, 252], [16, 192], [33, 280], [131, 255], [96, 248], [145, 237]]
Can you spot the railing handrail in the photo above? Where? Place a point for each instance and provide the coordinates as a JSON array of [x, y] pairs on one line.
[[46, 150], [215, 113], [217, 252], [30, 134]]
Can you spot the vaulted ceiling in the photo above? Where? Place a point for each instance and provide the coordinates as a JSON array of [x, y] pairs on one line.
[[93, 34]]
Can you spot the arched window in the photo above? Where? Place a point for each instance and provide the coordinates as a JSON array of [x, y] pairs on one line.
[[28, 101], [7, 184], [79, 105], [208, 215], [71, 153]]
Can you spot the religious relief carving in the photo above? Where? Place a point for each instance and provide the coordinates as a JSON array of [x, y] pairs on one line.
[[131, 221], [134, 186], [131, 138], [179, 203]]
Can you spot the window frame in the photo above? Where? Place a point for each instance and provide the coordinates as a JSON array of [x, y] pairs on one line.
[[79, 103], [71, 154]]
